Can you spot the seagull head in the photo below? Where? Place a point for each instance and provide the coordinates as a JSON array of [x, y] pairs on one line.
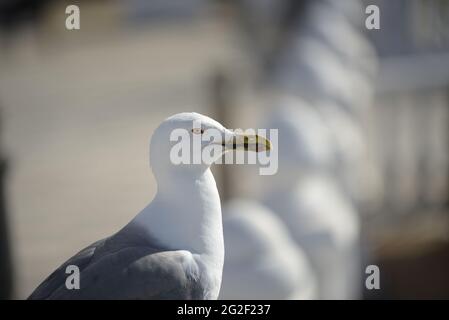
[[190, 142]]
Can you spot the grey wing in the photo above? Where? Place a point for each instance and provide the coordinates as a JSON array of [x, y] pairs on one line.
[[58, 277], [137, 273]]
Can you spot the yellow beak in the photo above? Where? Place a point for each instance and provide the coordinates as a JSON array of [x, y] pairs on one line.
[[247, 142]]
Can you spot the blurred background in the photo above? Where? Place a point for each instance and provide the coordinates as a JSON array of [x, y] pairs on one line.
[[362, 115]]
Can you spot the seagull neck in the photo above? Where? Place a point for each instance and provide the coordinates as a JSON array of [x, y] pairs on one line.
[[186, 214]]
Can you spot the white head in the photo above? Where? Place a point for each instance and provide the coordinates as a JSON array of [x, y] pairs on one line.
[[189, 137]]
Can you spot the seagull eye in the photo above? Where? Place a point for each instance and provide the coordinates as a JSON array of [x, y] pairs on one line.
[[198, 131]]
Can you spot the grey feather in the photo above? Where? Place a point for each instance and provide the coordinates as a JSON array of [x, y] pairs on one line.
[[128, 265]]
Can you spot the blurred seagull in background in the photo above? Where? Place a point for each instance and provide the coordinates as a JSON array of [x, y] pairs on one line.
[[173, 249], [262, 261], [307, 198]]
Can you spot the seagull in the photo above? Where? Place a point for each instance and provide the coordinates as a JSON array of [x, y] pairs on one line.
[[173, 248], [308, 199], [262, 260]]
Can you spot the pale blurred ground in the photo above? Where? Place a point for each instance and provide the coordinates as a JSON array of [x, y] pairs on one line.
[[77, 121]]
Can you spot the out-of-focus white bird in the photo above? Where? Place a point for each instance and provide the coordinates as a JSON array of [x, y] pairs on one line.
[[335, 63], [345, 38], [342, 95], [262, 261], [355, 167], [307, 198], [309, 70]]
